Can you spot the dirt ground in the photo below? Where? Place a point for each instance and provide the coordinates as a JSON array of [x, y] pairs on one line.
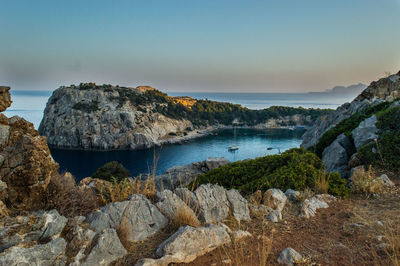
[[347, 233]]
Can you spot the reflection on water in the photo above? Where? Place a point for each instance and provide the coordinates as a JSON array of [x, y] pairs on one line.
[[251, 143]]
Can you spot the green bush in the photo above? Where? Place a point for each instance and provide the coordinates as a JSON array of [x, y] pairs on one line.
[[296, 169], [112, 171], [87, 107]]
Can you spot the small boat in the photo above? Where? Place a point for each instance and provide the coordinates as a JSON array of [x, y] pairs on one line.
[[233, 148]]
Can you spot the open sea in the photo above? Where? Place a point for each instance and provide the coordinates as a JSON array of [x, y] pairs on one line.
[[252, 143]]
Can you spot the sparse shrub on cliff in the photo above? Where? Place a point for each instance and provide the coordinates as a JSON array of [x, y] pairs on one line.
[[87, 107], [112, 171], [296, 169]]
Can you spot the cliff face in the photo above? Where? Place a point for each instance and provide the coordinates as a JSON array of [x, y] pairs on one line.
[[106, 118], [110, 117]]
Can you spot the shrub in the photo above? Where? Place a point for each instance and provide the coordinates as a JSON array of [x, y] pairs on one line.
[[87, 107], [296, 169], [337, 185], [112, 171], [365, 182]]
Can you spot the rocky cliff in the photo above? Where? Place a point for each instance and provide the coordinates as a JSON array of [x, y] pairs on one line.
[[339, 136], [109, 117]]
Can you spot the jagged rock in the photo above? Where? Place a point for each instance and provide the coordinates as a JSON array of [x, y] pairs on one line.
[[137, 217], [274, 216], [52, 253], [292, 195], [386, 88], [289, 256], [5, 98], [275, 199], [180, 176], [336, 155], [106, 249], [240, 209], [170, 204], [366, 132], [386, 180], [188, 197], [213, 205], [309, 206], [188, 243], [27, 164]]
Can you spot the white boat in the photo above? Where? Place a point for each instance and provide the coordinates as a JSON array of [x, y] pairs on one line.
[[233, 148]]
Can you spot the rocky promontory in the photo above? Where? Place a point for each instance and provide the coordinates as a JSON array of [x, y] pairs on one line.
[[106, 117]]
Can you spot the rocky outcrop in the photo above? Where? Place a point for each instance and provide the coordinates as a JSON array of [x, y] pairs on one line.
[[26, 165], [366, 132], [137, 218], [5, 98], [180, 176], [171, 205], [386, 88], [337, 155], [309, 206]]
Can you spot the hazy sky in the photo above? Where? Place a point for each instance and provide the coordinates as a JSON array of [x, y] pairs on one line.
[[204, 45]]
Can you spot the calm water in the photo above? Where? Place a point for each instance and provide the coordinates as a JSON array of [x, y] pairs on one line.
[[252, 143]]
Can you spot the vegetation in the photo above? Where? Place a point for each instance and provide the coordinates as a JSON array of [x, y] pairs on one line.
[[385, 152], [366, 182], [346, 126], [296, 169], [87, 107], [112, 171]]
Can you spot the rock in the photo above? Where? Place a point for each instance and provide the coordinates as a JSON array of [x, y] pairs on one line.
[[188, 197], [5, 98], [260, 210], [215, 162], [54, 224], [379, 223], [52, 253], [309, 206], [387, 88], [365, 133], [238, 204], [336, 155], [274, 216], [354, 162], [275, 199], [292, 195], [137, 218], [188, 243], [289, 256], [213, 205], [27, 165], [256, 197], [170, 205], [386, 180], [106, 249], [240, 234]]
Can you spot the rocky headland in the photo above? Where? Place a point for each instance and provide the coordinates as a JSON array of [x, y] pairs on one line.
[[106, 117]]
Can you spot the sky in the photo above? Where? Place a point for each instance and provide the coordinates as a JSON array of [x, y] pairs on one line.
[[199, 46]]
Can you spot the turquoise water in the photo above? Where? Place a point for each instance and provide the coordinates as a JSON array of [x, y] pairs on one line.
[[252, 143]]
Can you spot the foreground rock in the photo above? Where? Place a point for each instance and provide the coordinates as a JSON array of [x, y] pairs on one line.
[[337, 155], [275, 199], [5, 98], [310, 206], [188, 243], [137, 218], [289, 257]]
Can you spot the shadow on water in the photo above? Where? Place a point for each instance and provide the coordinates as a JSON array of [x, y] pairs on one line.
[[252, 143]]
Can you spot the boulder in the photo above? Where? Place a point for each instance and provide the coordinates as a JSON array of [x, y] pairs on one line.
[[365, 133], [106, 249], [5, 98], [275, 199], [215, 162], [336, 155], [239, 207], [274, 216], [52, 253], [289, 257], [256, 197], [170, 205], [137, 218], [386, 180], [188, 197], [292, 195], [189, 243], [213, 204], [309, 206]]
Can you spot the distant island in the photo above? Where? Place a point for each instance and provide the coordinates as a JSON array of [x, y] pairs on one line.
[[107, 117], [349, 91]]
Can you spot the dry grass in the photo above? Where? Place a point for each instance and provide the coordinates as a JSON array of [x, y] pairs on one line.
[[392, 237], [305, 194], [365, 182], [322, 185], [184, 216]]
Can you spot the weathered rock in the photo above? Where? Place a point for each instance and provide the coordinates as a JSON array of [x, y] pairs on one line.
[[239, 207], [52, 253], [106, 249], [27, 165], [336, 155], [170, 205], [275, 199], [137, 217], [5, 98], [309, 206], [365, 133], [387, 88], [188, 197], [274, 216], [213, 205], [188, 243], [289, 256], [386, 180], [256, 197], [215, 162], [292, 195], [240, 234]]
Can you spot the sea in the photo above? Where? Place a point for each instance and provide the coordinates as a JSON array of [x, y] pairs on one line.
[[252, 143]]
